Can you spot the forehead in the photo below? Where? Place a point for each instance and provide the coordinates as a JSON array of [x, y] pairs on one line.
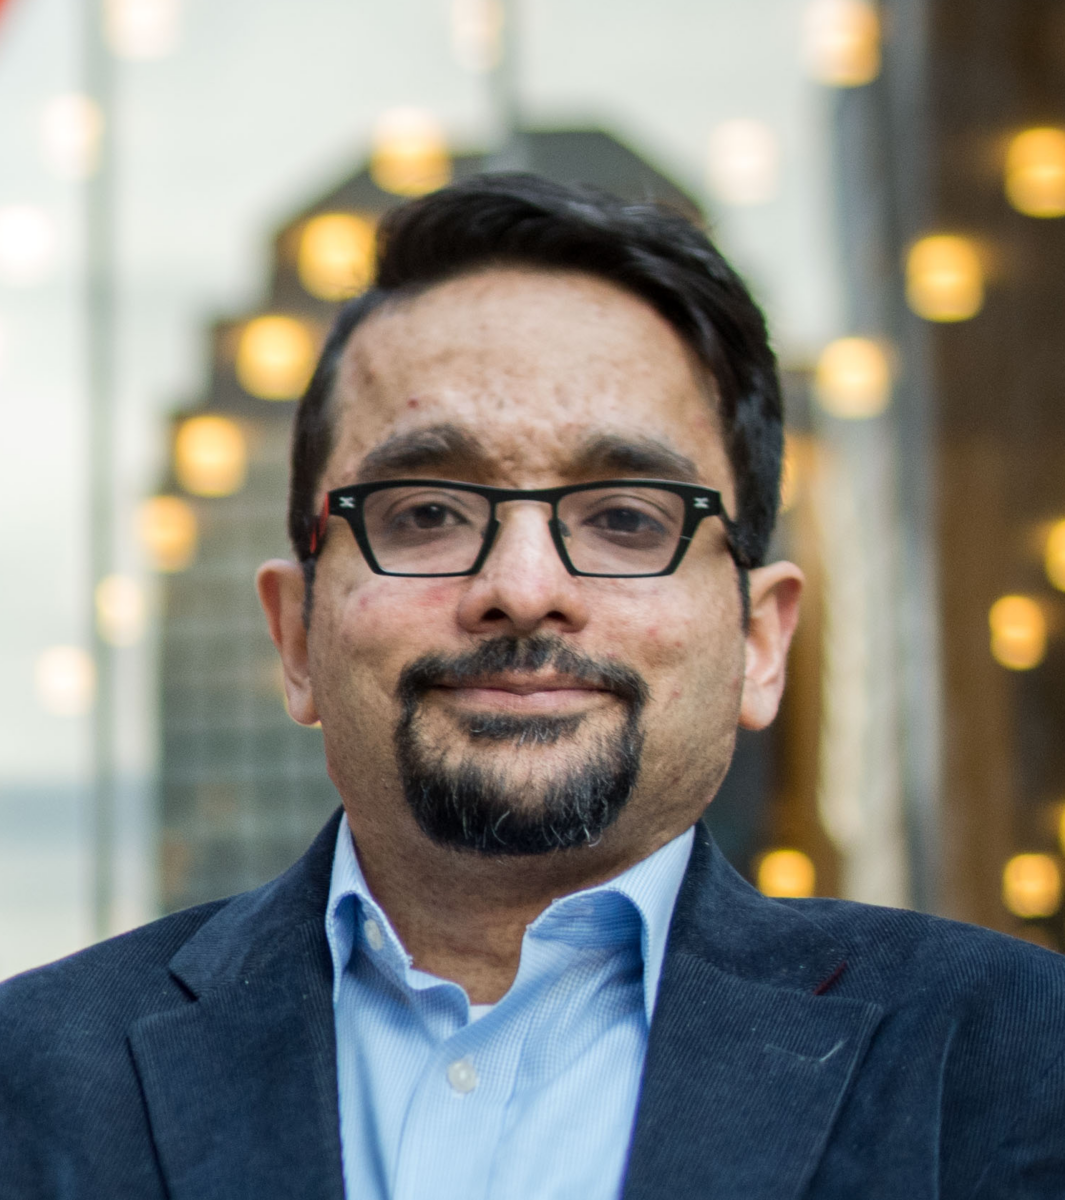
[[531, 368]]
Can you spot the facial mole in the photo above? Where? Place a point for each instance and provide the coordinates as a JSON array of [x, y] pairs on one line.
[[413, 402]]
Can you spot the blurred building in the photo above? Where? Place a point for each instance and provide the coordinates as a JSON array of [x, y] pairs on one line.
[[951, 175]]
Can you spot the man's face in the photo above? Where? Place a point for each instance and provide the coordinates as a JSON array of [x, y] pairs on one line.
[[527, 680]]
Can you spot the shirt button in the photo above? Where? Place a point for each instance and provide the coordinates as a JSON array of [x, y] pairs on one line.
[[462, 1076], [374, 937]]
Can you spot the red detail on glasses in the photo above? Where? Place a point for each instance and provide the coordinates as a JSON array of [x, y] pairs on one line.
[[318, 529]]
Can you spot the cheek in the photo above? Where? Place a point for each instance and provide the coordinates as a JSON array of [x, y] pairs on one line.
[[383, 623], [693, 656]]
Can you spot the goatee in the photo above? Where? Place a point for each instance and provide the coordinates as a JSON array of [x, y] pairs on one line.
[[467, 806]]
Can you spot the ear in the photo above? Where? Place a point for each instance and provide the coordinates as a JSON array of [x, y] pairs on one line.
[[280, 586], [775, 591]]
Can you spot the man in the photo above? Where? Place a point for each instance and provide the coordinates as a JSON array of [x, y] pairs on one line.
[[534, 480]]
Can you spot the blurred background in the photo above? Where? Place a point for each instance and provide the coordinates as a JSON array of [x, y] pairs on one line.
[[189, 188]]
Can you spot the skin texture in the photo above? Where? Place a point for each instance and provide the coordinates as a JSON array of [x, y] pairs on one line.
[[538, 379]]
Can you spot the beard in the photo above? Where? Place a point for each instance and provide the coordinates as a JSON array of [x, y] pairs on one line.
[[463, 804]]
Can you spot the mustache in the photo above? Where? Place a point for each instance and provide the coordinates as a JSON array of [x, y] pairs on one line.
[[513, 655]]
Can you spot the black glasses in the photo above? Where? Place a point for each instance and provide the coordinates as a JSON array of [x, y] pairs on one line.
[[615, 528]]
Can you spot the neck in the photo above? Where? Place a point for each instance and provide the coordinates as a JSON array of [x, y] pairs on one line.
[[462, 915]]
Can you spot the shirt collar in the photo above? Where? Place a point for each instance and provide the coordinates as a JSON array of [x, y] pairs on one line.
[[650, 886]]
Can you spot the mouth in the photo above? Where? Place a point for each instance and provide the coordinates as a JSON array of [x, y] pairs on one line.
[[522, 693], [506, 681]]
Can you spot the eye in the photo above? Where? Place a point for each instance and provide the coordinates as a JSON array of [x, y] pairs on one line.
[[626, 520], [427, 515]]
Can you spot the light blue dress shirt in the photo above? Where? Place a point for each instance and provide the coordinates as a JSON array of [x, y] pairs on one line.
[[532, 1098]]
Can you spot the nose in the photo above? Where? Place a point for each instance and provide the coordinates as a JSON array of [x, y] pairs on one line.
[[524, 585]]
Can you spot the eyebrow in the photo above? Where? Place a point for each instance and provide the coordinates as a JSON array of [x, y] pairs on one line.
[[635, 456], [437, 446]]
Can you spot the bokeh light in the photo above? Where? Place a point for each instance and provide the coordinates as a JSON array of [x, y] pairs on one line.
[[841, 42], [789, 474], [1018, 632], [1035, 172], [71, 128], [121, 610], [742, 165], [853, 378], [210, 457], [409, 155], [65, 681], [142, 29], [336, 255], [275, 357], [477, 33], [168, 533], [786, 873], [1031, 886], [944, 278], [1054, 555], [28, 243]]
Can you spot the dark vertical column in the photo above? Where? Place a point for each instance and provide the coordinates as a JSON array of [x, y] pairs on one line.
[[1001, 378]]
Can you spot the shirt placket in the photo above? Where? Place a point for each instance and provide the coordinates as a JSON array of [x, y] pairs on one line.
[[456, 1115]]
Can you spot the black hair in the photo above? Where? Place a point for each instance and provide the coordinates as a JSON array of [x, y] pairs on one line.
[[653, 252]]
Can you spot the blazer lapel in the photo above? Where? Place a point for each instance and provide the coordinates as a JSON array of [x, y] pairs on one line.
[[241, 1083], [746, 1067]]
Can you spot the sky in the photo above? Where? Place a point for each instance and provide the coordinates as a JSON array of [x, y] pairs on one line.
[[259, 107]]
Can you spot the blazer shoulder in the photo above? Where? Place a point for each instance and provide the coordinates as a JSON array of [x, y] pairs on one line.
[[112, 981], [897, 955], [894, 934], [125, 977]]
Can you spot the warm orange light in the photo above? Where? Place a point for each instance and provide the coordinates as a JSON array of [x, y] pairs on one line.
[[786, 873], [275, 357], [168, 532], [743, 159], [336, 255], [944, 278], [842, 42], [1054, 558], [1031, 885], [1035, 172], [210, 458], [142, 29], [789, 475], [1018, 632], [65, 678], [853, 378], [120, 610], [71, 128], [410, 154]]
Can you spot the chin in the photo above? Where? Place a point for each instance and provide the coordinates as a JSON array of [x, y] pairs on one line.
[[519, 785]]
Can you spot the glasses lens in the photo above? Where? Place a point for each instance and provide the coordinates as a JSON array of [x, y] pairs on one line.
[[621, 530], [430, 530]]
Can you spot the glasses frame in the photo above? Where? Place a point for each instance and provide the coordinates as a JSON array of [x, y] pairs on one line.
[[347, 502]]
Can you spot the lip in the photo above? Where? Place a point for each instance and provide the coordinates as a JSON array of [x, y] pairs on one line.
[[521, 693]]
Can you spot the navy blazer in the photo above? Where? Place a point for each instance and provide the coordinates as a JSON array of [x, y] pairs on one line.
[[814, 1049]]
